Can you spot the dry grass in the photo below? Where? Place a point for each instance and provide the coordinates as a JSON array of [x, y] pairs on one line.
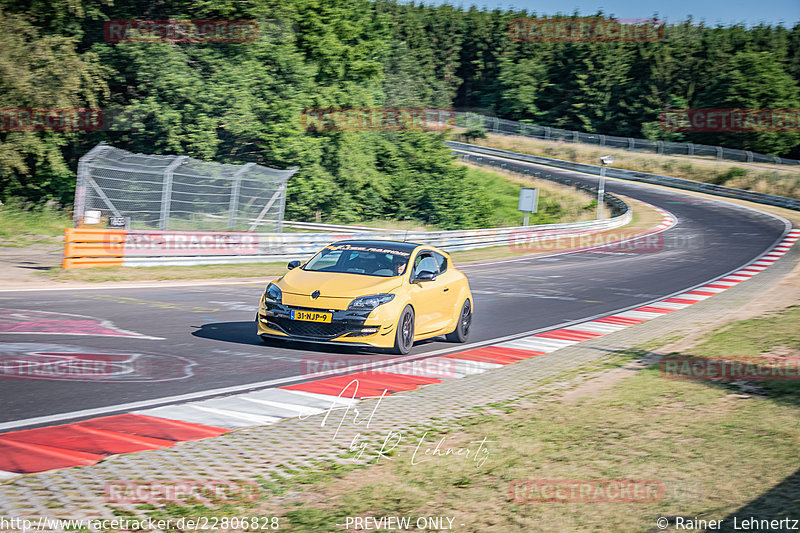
[[97, 275], [759, 177], [572, 202], [26, 224]]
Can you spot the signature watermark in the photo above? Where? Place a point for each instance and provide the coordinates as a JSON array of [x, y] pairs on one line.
[[369, 448]]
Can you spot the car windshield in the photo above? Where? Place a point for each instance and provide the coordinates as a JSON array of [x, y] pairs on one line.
[[368, 260]]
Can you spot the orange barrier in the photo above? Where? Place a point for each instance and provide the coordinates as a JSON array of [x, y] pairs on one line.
[[89, 248]]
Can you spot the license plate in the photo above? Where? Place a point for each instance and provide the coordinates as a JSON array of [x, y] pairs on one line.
[[311, 316]]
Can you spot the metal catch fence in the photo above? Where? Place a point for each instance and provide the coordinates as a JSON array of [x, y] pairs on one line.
[[180, 193]]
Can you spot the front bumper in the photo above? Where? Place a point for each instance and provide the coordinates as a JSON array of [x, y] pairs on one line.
[[348, 327]]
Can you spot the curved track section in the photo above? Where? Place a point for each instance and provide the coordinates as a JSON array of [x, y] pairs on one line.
[[209, 346]]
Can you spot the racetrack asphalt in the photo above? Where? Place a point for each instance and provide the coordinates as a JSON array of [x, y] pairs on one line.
[[160, 342]]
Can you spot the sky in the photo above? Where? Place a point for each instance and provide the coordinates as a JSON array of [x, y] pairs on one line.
[[711, 12]]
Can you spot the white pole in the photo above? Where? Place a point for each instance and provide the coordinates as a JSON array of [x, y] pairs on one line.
[[601, 190]]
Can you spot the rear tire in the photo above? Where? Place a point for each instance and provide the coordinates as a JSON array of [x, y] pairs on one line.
[[461, 333], [404, 336]]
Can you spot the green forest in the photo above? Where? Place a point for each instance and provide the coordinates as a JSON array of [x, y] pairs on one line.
[[242, 102]]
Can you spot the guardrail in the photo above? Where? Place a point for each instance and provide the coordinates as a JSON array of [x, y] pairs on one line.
[[548, 133], [87, 248], [656, 179]]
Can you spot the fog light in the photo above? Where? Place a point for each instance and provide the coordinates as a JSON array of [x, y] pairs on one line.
[[369, 330]]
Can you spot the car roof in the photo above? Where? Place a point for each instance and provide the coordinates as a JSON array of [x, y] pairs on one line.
[[402, 246]]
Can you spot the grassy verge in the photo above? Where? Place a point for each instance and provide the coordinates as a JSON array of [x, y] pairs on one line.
[[773, 179], [23, 225], [719, 453], [775, 336], [557, 203]]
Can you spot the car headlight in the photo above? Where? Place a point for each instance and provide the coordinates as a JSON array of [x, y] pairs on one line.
[[273, 294], [368, 303]]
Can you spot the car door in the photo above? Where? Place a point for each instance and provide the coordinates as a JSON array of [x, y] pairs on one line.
[[450, 308], [426, 296]]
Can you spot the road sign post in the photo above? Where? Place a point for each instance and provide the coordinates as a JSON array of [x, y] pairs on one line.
[[528, 202], [601, 186]]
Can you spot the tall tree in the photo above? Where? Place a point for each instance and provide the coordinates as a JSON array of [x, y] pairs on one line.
[[753, 80], [41, 71]]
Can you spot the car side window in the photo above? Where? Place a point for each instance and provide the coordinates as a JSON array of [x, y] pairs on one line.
[[441, 262], [425, 262]]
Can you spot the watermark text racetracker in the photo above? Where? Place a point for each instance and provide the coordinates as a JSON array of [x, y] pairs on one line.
[[181, 491], [585, 29], [187, 242], [212, 31], [718, 120], [585, 491], [66, 119], [621, 241], [55, 362], [376, 119], [435, 367], [51, 119], [701, 369]]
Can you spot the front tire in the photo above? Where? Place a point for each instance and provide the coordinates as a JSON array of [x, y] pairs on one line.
[[404, 336], [461, 333]]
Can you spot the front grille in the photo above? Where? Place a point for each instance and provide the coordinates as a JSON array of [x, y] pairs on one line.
[[302, 328]]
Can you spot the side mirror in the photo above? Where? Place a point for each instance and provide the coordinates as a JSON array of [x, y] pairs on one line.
[[293, 264], [425, 275]]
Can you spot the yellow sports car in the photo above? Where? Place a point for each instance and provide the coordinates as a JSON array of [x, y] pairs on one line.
[[382, 294]]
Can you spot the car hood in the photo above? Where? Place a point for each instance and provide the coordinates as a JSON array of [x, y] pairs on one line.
[[335, 285]]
